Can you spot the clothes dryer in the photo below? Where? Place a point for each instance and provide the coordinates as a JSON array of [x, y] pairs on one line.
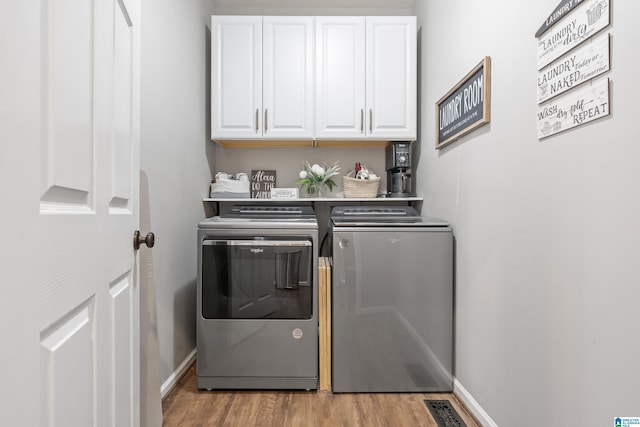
[[257, 304]]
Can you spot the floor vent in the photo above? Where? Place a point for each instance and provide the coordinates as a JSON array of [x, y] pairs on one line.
[[444, 414]]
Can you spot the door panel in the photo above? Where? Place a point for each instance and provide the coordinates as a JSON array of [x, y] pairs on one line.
[[67, 369], [122, 174], [121, 303], [67, 154]]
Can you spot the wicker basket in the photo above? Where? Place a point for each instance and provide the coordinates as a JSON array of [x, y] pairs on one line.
[[360, 187]]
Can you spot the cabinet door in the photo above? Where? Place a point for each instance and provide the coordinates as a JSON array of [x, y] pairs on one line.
[[340, 83], [391, 77], [236, 77], [287, 77]]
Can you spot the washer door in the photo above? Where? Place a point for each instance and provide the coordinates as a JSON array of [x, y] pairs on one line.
[[257, 279]]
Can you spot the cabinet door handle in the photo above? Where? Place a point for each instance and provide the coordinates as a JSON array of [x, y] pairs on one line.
[[257, 121], [265, 121], [362, 120], [370, 120]]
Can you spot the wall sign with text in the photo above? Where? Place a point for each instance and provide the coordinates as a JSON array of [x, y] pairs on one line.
[[575, 108], [570, 54], [573, 29], [564, 7], [262, 181], [587, 62], [466, 106]]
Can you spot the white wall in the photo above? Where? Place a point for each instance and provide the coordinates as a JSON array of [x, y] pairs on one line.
[[547, 232], [176, 156]]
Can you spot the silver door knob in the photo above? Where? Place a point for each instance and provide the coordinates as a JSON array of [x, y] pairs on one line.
[[149, 240]]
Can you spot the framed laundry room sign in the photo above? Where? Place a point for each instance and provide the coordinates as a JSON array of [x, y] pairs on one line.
[[466, 106]]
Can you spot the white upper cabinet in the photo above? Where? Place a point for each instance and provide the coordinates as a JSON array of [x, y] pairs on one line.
[[262, 78], [366, 78], [292, 78], [236, 77], [391, 80], [340, 77], [287, 77]]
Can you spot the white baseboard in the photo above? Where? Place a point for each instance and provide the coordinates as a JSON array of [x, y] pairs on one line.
[[480, 414], [177, 374]]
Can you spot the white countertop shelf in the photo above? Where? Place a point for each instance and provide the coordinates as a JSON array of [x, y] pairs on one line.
[[322, 199]]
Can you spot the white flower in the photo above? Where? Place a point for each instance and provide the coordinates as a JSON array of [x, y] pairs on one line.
[[316, 176]]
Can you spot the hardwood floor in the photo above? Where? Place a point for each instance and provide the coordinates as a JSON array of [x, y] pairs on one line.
[[186, 406]]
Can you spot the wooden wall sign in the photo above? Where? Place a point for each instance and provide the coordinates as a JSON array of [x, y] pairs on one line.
[[466, 106], [588, 61], [574, 28], [575, 108], [561, 10], [262, 181]]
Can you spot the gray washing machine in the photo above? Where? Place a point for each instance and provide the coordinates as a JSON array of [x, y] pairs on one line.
[[257, 299], [392, 300]]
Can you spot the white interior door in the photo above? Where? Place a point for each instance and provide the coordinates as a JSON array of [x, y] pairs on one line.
[[72, 161]]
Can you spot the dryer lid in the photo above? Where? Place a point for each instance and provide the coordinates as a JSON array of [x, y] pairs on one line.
[[383, 216]]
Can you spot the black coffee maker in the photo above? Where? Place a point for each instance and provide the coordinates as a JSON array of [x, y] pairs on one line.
[[398, 166]]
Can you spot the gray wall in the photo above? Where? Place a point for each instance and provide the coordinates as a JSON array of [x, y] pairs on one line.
[[177, 158], [547, 283]]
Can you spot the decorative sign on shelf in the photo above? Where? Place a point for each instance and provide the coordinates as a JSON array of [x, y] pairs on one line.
[[466, 106], [573, 29], [561, 10], [284, 193], [587, 62], [575, 108], [262, 181]]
